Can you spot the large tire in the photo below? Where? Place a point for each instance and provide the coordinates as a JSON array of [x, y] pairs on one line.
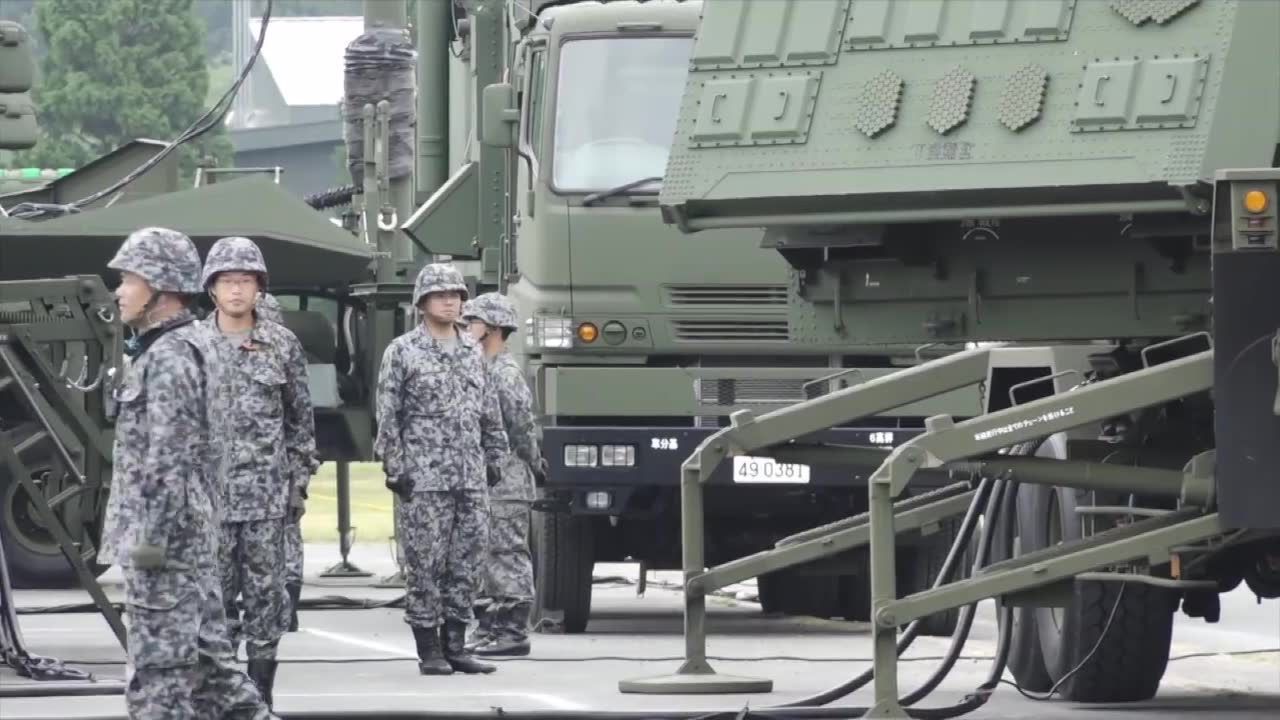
[[1132, 655], [564, 550], [771, 589], [35, 559], [1026, 661]]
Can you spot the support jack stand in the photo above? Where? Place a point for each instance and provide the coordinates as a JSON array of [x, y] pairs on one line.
[[346, 534]]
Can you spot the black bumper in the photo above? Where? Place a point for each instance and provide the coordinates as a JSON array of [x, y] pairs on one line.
[[660, 451]]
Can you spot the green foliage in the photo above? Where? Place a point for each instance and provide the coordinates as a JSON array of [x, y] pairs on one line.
[[117, 70]]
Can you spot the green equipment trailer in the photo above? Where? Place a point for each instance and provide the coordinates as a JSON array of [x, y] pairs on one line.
[[1077, 201]]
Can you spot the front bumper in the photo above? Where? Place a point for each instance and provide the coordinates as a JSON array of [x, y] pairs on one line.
[[660, 451]]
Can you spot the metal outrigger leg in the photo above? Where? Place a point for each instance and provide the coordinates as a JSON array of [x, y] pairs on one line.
[[749, 434], [945, 444]]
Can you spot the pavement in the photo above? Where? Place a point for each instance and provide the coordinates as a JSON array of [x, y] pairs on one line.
[[362, 659]]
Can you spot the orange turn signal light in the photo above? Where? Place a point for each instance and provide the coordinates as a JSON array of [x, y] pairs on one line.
[[588, 333], [1255, 201]]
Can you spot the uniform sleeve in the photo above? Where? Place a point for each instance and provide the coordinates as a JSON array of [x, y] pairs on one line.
[[517, 409], [176, 413], [299, 416], [492, 436], [387, 446]]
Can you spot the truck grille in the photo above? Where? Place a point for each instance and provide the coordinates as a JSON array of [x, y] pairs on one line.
[[703, 295], [772, 331], [721, 392]]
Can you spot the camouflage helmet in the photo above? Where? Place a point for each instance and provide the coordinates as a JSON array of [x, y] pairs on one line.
[[493, 309], [268, 308], [438, 277], [166, 259], [232, 254]]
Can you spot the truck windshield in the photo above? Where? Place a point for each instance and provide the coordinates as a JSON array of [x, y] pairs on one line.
[[616, 108]]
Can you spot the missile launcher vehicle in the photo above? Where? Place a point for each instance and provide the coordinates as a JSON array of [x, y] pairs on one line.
[[1073, 205]]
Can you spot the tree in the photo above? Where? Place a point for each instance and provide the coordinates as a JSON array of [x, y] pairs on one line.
[[117, 70]]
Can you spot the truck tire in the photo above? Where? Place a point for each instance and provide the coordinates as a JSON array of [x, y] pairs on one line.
[[35, 559], [1132, 655], [564, 551], [1026, 661], [771, 589]]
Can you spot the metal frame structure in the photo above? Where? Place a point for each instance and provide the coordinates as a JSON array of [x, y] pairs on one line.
[[941, 446], [76, 311]]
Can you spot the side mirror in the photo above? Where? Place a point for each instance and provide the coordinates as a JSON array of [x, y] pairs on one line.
[[499, 115]]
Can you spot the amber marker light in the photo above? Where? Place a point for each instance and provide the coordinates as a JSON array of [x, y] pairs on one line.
[[1255, 201], [587, 332]]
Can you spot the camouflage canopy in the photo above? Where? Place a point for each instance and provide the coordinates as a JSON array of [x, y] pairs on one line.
[[234, 254], [166, 259], [268, 308], [438, 277], [493, 309]]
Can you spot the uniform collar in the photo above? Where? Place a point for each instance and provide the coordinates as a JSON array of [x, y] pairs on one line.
[[256, 337]]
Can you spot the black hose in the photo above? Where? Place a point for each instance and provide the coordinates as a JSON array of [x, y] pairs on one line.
[[948, 566], [961, 634]]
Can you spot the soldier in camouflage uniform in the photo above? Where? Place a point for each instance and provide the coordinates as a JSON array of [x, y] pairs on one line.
[[440, 439], [508, 578], [271, 447], [161, 524], [268, 308]]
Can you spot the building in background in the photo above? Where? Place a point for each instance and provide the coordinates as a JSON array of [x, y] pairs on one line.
[[287, 113]]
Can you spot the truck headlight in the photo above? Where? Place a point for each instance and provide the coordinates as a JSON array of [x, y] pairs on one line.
[[548, 332], [618, 456], [581, 456]]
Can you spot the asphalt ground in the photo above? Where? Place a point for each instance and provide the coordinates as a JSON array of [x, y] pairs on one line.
[[362, 660]]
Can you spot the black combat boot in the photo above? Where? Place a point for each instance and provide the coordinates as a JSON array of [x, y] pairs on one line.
[[484, 632], [295, 593], [510, 636], [453, 633], [430, 659], [263, 674]]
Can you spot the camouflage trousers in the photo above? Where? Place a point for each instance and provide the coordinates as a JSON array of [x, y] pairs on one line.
[[251, 558], [445, 535], [508, 570], [293, 551], [179, 652]]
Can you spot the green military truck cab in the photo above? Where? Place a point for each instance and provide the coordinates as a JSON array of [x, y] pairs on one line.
[[638, 344]]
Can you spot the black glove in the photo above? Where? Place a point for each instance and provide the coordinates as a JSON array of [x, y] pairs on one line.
[[492, 475], [401, 485], [540, 471], [297, 502]]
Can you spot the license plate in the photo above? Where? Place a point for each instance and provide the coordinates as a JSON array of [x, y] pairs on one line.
[[767, 470]]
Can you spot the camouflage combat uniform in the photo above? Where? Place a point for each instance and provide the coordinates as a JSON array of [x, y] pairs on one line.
[[161, 524], [439, 438], [268, 308], [271, 441], [508, 574]]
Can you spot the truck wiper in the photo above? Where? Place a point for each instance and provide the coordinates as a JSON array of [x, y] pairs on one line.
[[598, 196]]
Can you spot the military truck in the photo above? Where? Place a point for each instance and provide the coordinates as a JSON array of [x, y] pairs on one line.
[[1085, 192], [638, 344]]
